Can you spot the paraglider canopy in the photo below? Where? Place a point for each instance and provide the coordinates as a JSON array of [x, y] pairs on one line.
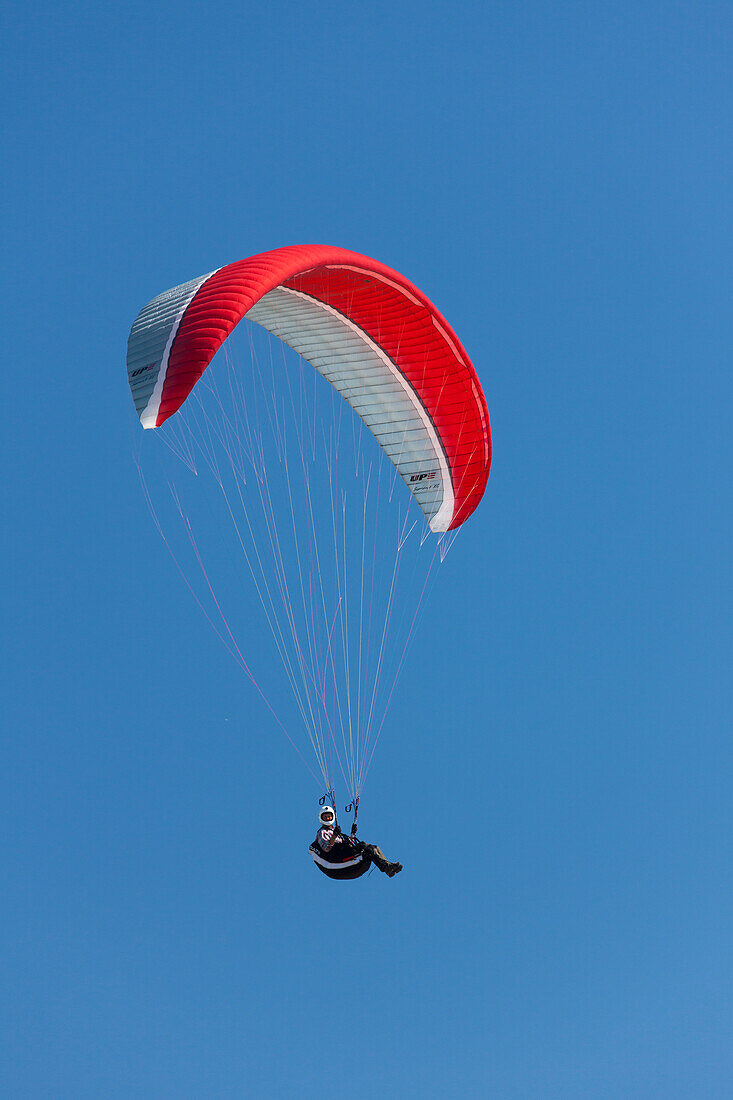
[[372, 334]]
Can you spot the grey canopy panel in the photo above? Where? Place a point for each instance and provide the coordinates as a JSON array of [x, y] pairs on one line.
[[150, 342]]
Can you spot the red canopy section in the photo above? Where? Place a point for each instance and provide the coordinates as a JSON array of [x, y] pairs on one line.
[[380, 303]]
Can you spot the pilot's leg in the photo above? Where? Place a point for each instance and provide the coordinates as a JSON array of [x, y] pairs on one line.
[[379, 859]]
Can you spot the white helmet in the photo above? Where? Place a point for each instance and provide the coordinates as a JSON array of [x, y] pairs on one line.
[[327, 810]]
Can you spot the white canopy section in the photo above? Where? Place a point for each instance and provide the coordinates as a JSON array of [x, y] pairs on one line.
[[374, 387]]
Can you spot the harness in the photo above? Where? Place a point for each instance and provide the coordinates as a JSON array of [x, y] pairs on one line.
[[351, 865]]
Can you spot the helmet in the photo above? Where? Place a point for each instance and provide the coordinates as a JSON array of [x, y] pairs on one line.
[[327, 810]]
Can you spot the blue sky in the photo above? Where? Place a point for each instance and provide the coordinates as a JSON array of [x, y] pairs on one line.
[[556, 177]]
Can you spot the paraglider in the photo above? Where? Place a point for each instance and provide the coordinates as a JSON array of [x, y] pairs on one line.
[[340, 856], [340, 559]]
